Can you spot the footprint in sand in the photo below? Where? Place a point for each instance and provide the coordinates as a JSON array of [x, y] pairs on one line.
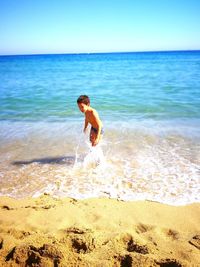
[[81, 239], [130, 260], [133, 246], [1, 243], [5, 207], [169, 263], [75, 230], [125, 261], [195, 241], [28, 255], [174, 235], [142, 228]]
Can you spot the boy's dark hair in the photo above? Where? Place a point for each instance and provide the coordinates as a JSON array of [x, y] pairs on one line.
[[83, 99]]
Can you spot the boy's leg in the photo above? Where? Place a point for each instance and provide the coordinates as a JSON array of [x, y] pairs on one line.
[[93, 136]]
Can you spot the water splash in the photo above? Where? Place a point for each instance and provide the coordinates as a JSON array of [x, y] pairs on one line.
[[94, 157]]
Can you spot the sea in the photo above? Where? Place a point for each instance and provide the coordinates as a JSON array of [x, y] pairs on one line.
[[149, 103]]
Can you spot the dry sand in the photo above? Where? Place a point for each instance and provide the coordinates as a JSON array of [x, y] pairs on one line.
[[97, 232]]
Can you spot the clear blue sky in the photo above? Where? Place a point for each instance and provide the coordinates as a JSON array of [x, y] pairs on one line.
[[76, 26]]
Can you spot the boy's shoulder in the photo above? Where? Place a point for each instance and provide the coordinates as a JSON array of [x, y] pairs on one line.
[[92, 112]]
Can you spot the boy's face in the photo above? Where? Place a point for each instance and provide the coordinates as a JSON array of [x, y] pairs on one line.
[[83, 107]]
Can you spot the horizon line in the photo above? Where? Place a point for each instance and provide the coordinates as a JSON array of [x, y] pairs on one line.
[[95, 53]]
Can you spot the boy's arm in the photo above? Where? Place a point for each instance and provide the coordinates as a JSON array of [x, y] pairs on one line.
[[86, 125], [99, 123], [98, 133]]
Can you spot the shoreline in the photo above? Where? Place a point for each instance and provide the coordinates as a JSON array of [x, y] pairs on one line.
[[48, 231]]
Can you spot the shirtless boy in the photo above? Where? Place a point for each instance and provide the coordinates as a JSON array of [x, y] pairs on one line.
[[92, 117]]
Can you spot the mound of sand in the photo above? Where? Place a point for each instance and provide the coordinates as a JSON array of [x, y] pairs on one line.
[[97, 232]]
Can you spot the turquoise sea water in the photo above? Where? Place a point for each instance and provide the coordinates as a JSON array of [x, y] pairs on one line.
[[158, 85], [150, 107]]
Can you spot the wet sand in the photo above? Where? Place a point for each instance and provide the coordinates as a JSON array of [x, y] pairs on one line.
[[49, 231]]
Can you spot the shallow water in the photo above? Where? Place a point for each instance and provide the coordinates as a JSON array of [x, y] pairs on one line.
[[131, 163], [150, 107]]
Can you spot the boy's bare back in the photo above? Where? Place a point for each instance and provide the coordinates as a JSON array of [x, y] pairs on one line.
[[92, 117]]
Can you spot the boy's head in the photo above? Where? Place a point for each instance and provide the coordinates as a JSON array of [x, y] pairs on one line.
[[83, 102]]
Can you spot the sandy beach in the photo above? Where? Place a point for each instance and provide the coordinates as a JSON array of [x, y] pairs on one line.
[[48, 231]]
